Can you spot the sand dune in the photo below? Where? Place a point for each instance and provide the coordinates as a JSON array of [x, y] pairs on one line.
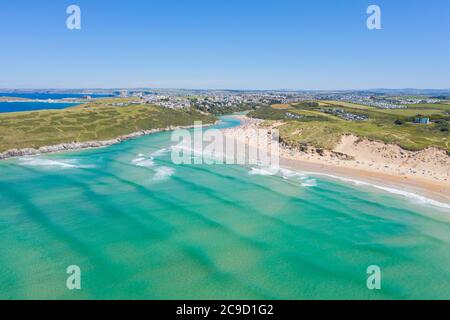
[[426, 172]]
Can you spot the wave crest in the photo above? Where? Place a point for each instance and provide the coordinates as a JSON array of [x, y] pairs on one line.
[[49, 163]]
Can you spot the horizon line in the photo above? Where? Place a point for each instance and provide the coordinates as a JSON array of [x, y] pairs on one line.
[[218, 89]]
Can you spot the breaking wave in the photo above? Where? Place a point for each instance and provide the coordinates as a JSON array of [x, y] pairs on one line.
[[143, 162], [309, 183], [286, 174], [49, 163], [160, 152], [162, 173], [406, 194], [263, 171]]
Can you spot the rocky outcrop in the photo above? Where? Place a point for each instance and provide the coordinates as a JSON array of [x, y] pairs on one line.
[[83, 145], [56, 148]]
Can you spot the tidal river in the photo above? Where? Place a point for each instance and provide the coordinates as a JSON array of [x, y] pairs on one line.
[[140, 227]]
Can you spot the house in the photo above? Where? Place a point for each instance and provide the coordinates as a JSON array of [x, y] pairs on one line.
[[422, 120], [293, 116]]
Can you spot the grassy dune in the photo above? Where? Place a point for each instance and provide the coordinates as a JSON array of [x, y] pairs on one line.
[[281, 106], [346, 104], [328, 134], [433, 106], [323, 130], [97, 121]]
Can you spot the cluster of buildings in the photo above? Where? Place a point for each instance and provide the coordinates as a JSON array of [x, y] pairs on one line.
[[418, 100], [216, 99], [211, 100], [378, 101], [345, 115], [383, 104], [229, 99], [422, 120], [293, 116], [368, 100], [171, 102]]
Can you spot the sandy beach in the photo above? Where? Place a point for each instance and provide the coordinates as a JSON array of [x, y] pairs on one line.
[[425, 173]]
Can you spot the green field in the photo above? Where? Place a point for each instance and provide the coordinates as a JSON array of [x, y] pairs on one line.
[[96, 121], [324, 130], [435, 106], [346, 104]]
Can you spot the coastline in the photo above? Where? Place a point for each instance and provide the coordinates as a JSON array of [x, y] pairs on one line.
[[75, 146], [436, 186], [398, 185], [314, 164]]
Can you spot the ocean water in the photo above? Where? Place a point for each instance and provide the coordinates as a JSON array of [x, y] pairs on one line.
[[32, 106], [46, 95], [140, 227]]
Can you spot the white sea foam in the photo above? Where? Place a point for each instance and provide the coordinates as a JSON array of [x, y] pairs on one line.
[[290, 174], [48, 163], [143, 162], [160, 152], [262, 172], [415, 197], [285, 174], [299, 176], [306, 181], [409, 195], [162, 173], [309, 183]]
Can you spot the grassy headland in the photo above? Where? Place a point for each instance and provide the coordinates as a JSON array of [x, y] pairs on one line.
[[96, 121], [317, 124]]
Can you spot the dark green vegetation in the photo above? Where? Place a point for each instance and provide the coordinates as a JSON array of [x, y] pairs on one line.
[[306, 111], [221, 109], [316, 126], [95, 121], [226, 110]]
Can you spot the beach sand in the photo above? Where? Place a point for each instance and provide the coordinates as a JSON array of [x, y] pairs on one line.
[[425, 173]]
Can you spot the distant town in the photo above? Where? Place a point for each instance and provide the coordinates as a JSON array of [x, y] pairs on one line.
[[213, 100], [222, 101]]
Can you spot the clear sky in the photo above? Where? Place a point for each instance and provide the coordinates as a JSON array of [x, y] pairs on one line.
[[236, 44]]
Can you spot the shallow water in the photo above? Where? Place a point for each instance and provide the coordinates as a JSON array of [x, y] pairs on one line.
[[139, 226]]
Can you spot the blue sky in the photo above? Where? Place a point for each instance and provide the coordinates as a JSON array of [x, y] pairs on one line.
[[245, 44]]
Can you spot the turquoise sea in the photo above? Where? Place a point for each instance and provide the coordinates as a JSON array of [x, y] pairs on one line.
[[140, 227]]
